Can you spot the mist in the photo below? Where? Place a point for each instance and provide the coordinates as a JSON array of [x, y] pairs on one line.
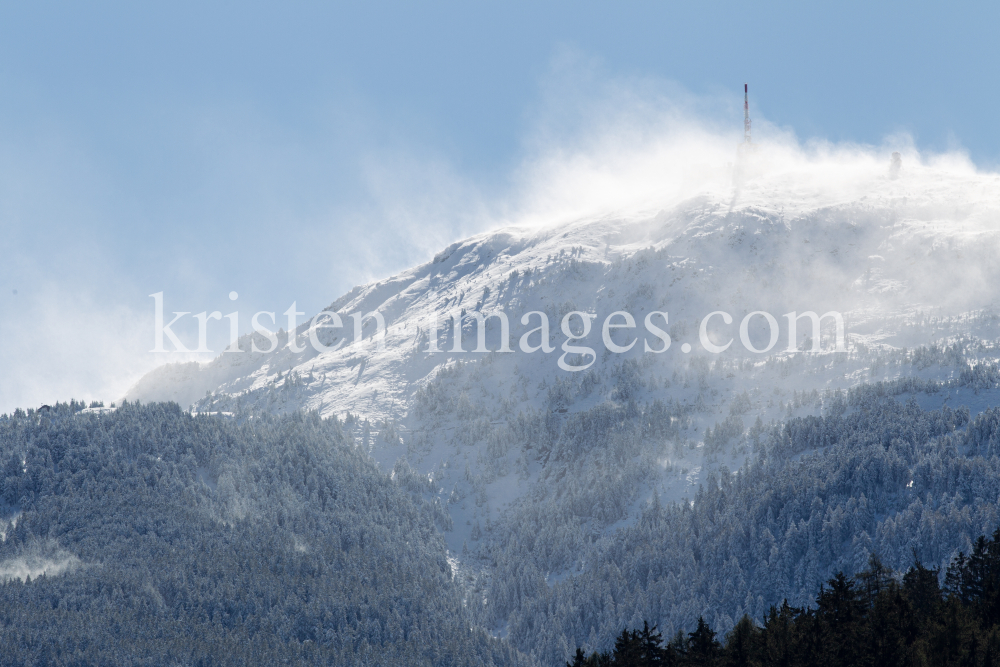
[[80, 324], [36, 565]]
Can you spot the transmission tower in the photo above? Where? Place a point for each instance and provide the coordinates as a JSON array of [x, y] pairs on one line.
[[746, 115]]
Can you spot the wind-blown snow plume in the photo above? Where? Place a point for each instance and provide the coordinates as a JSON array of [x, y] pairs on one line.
[[542, 471], [35, 565]]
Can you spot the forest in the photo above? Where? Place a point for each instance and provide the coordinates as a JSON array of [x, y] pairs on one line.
[[876, 618], [588, 551], [148, 536]]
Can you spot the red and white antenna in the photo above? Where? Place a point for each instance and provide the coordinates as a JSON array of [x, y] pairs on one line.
[[746, 115]]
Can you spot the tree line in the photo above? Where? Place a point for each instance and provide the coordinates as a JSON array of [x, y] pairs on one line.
[[876, 618]]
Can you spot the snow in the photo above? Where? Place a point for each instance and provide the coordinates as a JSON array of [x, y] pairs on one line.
[[909, 262], [97, 411]]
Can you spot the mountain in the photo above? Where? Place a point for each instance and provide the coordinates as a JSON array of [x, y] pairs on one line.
[[663, 484], [147, 536]]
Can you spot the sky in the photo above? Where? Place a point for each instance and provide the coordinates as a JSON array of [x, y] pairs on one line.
[[287, 152]]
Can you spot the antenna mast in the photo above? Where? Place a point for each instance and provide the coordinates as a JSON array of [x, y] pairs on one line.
[[746, 115]]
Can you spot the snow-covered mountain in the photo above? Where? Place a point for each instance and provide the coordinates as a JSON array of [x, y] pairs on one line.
[[879, 250], [575, 502]]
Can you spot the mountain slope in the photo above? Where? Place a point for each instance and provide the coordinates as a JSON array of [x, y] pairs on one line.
[[548, 474], [877, 249], [146, 536]]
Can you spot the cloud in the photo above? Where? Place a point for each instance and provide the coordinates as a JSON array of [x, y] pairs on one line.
[[62, 341]]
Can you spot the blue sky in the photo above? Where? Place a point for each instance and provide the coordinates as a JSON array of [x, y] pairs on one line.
[[289, 151]]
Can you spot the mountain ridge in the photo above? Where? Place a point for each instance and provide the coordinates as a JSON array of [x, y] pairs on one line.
[[542, 472]]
